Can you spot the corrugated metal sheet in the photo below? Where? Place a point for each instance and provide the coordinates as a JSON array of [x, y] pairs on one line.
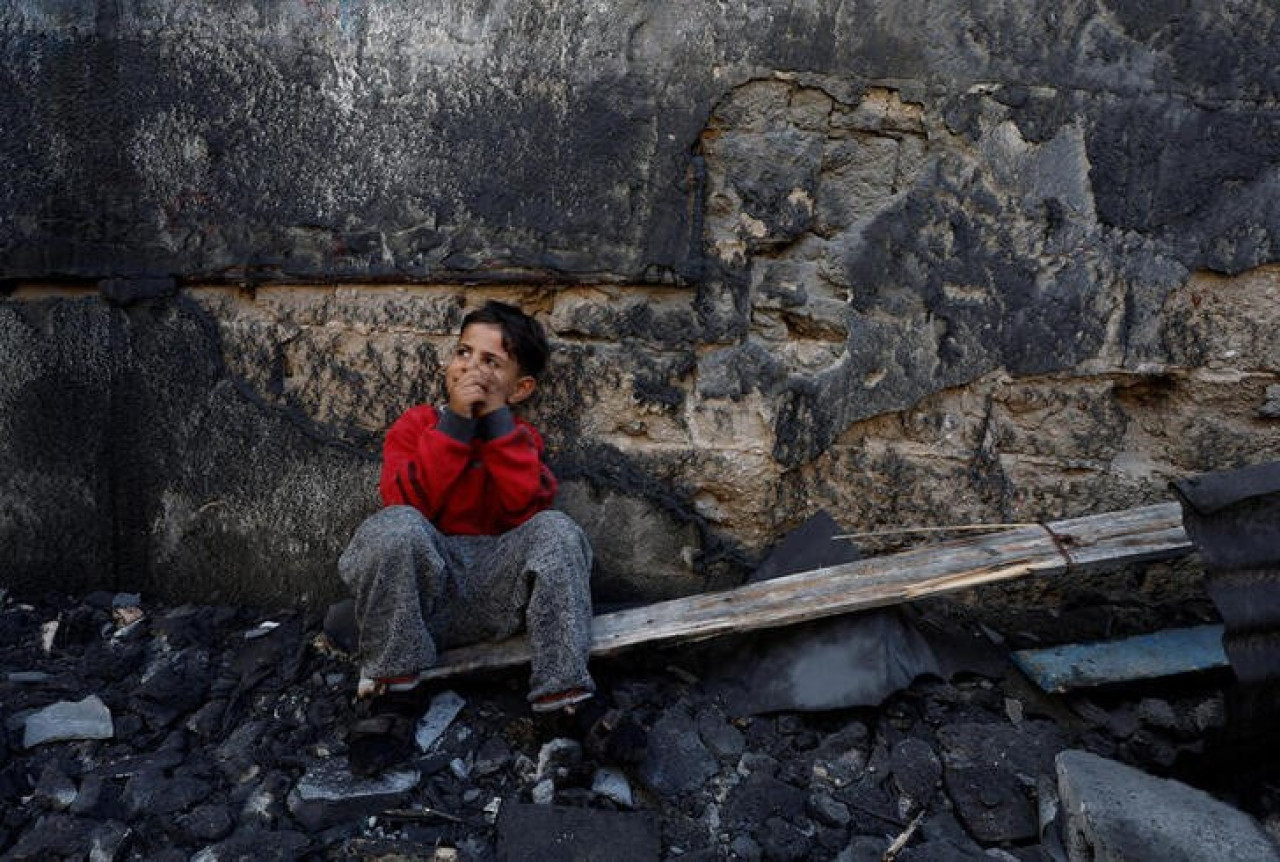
[[1233, 517]]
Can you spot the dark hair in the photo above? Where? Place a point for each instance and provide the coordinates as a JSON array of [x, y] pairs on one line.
[[522, 336]]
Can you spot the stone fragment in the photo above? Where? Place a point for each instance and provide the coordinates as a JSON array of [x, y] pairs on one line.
[[543, 792], [108, 841], [759, 797], [780, 839], [48, 632], [265, 804], [916, 769], [173, 684], [992, 803], [827, 810], [89, 797], [149, 794], [261, 630], [444, 708], [235, 756], [66, 720], [613, 784], [989, 768], [327, 793], [207, 720], [1270, 408], [864, 848], [207, 823], [159, 761], [493, 755], [54, 790], [256, 845], [1209, 714], [744, 847], [1114, 812], [557, 832], [1158, 713], [721, 737], [556, 757], [53, 836], [676, 760]]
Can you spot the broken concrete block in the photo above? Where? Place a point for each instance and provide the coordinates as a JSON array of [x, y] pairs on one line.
[[555, 832], [444, 708], [916, 769], [328, 794], [59, 722], [984, 766], [1115, 813], [676, 760]]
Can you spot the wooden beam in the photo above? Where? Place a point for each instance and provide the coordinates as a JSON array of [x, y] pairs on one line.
[[1079, 544]]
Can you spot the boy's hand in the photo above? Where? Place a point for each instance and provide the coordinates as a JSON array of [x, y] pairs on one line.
[[475, 394]]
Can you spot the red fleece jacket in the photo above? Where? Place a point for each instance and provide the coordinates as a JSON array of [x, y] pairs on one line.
[[477, 488]]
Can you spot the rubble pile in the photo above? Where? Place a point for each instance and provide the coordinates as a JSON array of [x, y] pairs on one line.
[[216, 733]]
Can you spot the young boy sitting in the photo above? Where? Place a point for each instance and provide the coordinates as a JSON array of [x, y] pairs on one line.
[[467, 548]]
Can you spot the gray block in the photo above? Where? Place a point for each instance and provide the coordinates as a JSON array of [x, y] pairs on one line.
[[1115, 813], [84, 719], [328, 794]]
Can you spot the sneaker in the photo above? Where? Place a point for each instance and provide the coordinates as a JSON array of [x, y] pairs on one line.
[[561, 700]]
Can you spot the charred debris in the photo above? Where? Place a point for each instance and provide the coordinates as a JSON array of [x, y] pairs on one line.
[[836, 707]]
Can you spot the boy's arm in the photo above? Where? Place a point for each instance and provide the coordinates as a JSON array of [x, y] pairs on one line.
[[512, 454], [420, 462]]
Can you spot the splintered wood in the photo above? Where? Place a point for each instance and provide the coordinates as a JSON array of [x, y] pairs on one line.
[[1076, 545]]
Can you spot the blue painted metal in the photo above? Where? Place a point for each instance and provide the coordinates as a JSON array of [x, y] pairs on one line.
[[1165, 653]]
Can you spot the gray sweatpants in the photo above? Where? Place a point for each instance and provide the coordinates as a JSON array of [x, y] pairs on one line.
[[417, 590]]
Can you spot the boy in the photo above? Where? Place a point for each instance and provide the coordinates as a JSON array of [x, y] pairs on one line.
[[467, 548]]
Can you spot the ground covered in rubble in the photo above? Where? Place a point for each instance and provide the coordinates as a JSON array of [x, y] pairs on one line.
[[225, 739]]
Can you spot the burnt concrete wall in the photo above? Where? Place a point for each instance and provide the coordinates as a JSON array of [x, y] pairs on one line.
[[911, 262]]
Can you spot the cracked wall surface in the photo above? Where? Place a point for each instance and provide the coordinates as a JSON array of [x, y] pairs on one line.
[[914, 263]]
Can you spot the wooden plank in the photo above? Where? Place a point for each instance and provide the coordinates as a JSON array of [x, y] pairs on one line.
[[1167, 653], [1110, 539]]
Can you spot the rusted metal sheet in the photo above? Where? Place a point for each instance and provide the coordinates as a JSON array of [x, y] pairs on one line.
[[1150, 656]]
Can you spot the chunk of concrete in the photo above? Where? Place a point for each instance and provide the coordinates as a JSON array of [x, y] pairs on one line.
[[329, 794], [67, 720], [1115, 813], [444, 708], [987, 767], [676, 760]]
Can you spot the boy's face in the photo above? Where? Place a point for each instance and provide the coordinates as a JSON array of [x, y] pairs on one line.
[[481, 375]]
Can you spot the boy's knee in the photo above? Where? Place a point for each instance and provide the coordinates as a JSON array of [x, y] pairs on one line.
[[383, 533], [554, 527]]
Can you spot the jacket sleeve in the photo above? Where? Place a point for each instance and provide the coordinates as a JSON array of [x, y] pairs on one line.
[[420, 463], [523, 483]]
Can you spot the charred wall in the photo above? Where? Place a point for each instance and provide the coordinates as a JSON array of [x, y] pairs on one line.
[[913, 263]]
